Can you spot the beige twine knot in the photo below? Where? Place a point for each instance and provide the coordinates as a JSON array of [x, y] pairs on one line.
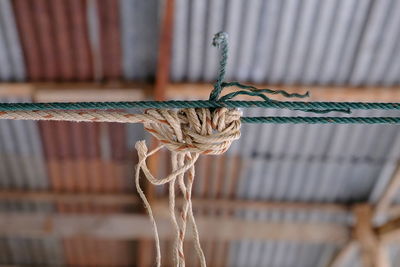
[[195, 130], [187, 133]]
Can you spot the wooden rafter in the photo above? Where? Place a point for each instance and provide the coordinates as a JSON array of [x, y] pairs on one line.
[[160, 204], [371, 240], [57, 91], [127, 227], [389, 193], [317, 93], [390, 231], [164, 51], [364, 234]]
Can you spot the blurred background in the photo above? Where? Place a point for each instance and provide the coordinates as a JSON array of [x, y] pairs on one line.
[[282, 196]]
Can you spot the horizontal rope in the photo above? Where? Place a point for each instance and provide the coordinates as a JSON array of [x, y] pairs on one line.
[[77, 116], [124, 117], [322, 120], [295, 105]]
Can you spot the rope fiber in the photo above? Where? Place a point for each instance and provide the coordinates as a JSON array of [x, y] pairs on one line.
[[125, 117]]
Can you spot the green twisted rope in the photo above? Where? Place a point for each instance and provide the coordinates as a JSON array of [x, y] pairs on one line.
[[221, 41], [215, 101], [257, 90], [293, 105], [323, 120]]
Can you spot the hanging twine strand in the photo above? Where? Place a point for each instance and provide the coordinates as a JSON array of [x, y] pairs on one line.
[[187, 134]]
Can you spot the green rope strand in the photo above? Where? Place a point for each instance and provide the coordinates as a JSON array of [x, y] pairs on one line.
[[254, 91], [266, 90], [293, 105], [322, 120], [258, 93], [221, 41]]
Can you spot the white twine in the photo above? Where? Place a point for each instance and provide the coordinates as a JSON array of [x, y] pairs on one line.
[[187, 134]]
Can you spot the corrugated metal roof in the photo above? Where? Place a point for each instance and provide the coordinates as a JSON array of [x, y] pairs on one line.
[[302, 42], [394, 254], [12, 66], [22, 164], [332, 163], [73, 157], [279, 254], [290, 42], [139, 46], [22, 251]]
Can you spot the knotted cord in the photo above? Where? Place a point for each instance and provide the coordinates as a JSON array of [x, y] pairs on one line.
[[187, 134]]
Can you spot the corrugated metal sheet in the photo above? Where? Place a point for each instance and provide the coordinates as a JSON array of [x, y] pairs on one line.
[[377, 49], [55, 42], [307, 41], [110, 38], [76, 158], [290, 42], [332, 163], [284, 253], [22, 163], [22, 251], [12, 66], [139, 46], [278, 253], [394, 254], [321, 163], [302, 42], [78, 40], [353, 258]]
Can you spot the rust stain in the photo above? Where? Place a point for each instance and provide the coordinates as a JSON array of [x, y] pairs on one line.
[[30, 45], [44, 30], [151, 130], [110, 38], [80, 40], [63, 43]]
